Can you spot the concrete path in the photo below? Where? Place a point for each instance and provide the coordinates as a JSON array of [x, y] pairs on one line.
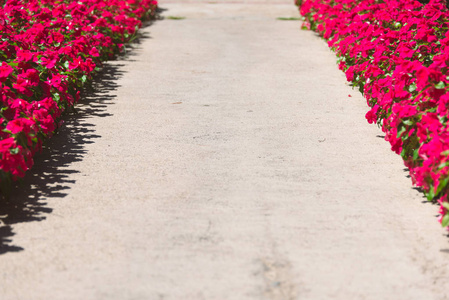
[[222, 159]]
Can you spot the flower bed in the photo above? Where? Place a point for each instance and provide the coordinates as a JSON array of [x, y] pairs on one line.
[[48, 50], [396, 52]]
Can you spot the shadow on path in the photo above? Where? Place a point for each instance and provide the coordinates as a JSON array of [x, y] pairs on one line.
[[49, 177]]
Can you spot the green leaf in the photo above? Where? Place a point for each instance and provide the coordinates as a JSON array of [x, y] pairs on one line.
[[440, 85], [66, 64], [404, 153], [444, 164], [415, 154], [14, 151], [445, 205], [430, 194], [400, 132], [83, 78], [412, 88], [408, 122], [361, 88], [175, 18], [445, 221], [289, 19], [442, 185], [56, 97]]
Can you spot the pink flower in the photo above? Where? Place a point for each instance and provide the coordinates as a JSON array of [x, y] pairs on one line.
[[20, 125], [397, 53], [75, 63], [24, 55], [371, 115], [50, 60], [5, 71], [47, 56], [94, 52]]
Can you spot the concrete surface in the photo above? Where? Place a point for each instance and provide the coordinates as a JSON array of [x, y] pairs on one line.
[[222, 159]]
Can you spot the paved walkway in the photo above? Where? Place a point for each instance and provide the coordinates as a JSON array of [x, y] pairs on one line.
[[222, 159]]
